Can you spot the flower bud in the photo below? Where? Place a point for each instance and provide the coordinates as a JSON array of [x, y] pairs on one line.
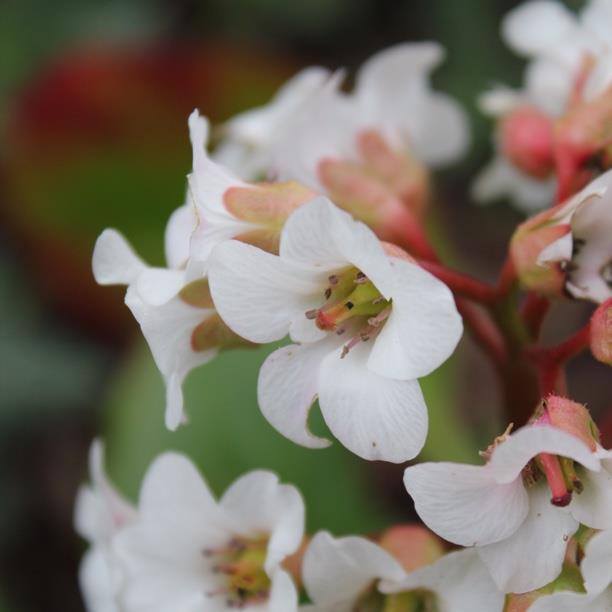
[[413, 546], [529, 241], [570, 416], [527, 141], [601, 333]]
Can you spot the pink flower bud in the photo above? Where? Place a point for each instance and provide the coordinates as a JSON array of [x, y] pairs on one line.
[[413, 546], [527, 141], [601, 333], [528, 242]]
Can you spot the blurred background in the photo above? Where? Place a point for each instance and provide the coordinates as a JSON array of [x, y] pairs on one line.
[[94, 97]]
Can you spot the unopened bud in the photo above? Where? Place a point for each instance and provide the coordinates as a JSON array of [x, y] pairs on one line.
[[526, 246], [601, 333], [413, 546], [572, 417], [527, 141]]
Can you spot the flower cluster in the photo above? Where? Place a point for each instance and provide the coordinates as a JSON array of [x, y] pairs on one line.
[[307, 221]]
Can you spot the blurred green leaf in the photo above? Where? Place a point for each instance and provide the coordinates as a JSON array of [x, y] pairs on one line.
[[227, 436]]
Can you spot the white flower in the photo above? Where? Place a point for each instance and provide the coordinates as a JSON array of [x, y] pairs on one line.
[[563, 50], [100, 513], [504, 508], [596, 568], [188, 552], [392, 96], [226, 207], [248, 138], [585, 250], [177, 317], [352, 573], [366, 326]]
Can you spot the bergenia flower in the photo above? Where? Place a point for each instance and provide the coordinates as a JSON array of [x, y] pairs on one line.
[[189, 552], [582, 248], [365, 326], [393, 97], [519, 525], [226, 207], [596, 569], [248, 138], [100, 514], [177, 316], [567, 79], [352, 573]]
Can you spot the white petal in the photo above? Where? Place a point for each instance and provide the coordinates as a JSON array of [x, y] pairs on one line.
[[319, 234], [98, 582], [573, 602], [337, 570], [100, 510], [180, 226], [258, 294], [173, 483], [535, 26], [460, 581], [283, 594], [157, 286], [500, 100], [114, 261], [559, 250], [168, 329], [463, 503], [444, 131], [287, 387], [423, 329], [510, 457], [593, 507], [533, 555], [374, 417], [596, 567], [257, 503]]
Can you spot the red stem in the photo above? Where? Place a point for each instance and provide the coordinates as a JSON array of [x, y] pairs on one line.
[[461, 283], [534, 312]]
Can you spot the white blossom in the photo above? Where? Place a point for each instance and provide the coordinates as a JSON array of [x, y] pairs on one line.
[[188, 552], [504, 509], [352, 573], [365, 326]]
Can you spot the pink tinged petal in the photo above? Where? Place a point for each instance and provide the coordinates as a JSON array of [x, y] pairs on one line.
[[168, 329], [114, 262], [596, 567], [375, 417], [573, 602], [533, 555], [283, 594], [423, 329], [287, 387], [464, 504], [533, 27], [257, 503], [258, 295], [181, 225], [593, 507], [460, 581], [517, 450], [337, 570]]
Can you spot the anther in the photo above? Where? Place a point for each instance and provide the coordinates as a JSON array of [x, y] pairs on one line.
[[328, 293], [361, 278], [311, 314], [333, 279]]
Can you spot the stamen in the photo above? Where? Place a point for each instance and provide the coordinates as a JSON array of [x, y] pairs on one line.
[[361, 278], [311, 314], [333, 279], [328, 293]]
